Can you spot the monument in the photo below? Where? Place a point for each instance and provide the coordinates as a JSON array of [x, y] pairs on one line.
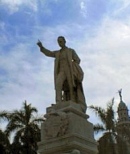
[[66, 129]]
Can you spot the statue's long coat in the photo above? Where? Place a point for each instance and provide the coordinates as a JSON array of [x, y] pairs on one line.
[[75, 70]]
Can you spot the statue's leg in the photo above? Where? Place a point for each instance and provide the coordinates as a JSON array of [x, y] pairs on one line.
[[71, 89], [59, 85], [66, 93]]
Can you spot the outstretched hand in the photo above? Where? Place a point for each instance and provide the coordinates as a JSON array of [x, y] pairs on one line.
[[39, 43]]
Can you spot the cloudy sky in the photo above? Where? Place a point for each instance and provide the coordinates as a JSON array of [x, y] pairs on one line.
[[98, 30]]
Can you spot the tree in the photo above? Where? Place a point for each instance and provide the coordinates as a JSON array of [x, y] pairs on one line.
[[4, 143], [25, 124], [4, 140]]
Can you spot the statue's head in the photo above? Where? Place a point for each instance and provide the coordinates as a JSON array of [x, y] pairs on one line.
[[61, 41]]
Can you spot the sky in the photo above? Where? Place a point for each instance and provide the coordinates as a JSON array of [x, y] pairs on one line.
[[99, 32]]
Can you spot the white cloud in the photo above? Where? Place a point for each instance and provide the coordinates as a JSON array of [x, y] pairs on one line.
[[122, 5], [83, 8], [26, 78], [14, 5], [105, 59]]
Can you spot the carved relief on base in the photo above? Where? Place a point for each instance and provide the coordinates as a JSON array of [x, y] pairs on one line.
[[56, 124]]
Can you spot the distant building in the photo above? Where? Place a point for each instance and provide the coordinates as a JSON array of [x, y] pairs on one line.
[[123, 125]]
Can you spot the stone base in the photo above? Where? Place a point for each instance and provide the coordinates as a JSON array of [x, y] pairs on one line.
[[67, 144], [65, 129]]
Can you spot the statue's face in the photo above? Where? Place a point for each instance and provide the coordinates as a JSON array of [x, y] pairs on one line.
[[61, 42]]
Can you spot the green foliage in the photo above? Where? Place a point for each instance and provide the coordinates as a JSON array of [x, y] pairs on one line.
[[4, 143], [25, 125]]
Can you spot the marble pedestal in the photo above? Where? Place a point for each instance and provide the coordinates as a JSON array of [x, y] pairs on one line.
[[66, 128]]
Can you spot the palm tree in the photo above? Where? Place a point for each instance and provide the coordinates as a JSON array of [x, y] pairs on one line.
[[108, 127], [4, 140], [4, 115], [26, 127], [4, 143]]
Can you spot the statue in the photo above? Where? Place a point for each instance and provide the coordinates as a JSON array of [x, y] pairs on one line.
[[120, 94], [68, 75]]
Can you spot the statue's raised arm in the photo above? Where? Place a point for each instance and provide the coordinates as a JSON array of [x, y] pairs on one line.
[[44, 50], [39, 43]]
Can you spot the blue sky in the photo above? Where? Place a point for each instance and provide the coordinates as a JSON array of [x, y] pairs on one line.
[[99, 31]]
